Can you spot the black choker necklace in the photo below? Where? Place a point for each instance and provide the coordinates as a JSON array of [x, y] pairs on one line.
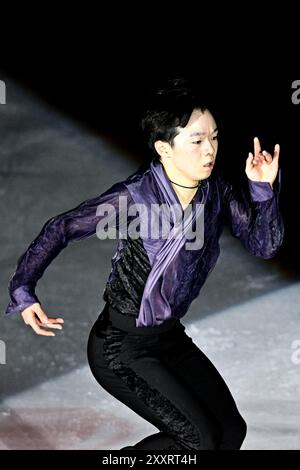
[[189, 187]]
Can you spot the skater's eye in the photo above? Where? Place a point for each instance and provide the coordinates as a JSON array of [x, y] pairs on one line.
[[199, 141]]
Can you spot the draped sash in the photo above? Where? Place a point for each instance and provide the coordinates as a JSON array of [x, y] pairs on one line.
[[155, 187]]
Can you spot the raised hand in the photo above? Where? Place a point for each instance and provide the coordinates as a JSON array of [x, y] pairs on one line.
[[36, 318], [262, 166]]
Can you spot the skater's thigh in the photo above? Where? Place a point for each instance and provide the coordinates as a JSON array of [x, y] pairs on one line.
[[193, 367], [112, 382], [128, 371]]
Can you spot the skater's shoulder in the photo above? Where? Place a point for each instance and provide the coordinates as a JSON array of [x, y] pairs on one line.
[[143, 170]]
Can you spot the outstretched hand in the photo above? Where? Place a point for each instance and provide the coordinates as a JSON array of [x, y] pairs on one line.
[[35, 317], [262, 166]]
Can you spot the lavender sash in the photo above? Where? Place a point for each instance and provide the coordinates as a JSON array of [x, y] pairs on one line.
[[155, 187]]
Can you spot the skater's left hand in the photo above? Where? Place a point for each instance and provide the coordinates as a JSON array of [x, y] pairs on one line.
[[262, 167]]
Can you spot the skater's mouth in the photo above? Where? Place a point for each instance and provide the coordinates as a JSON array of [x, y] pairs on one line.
[[209, 165]]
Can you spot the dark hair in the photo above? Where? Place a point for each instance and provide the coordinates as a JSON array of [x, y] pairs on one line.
[[169, 107]]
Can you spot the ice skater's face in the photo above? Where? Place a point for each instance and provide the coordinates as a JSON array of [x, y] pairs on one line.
[[195, 146]]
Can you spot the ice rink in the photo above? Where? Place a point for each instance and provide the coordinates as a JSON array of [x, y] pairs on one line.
[[246, 318]]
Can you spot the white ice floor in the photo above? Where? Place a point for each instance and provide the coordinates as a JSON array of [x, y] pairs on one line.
[[250, 344], [246, 320]]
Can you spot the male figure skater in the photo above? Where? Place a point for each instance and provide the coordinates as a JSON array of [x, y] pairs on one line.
[[138, 349]]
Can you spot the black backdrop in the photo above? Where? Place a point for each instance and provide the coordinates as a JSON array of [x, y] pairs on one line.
[[108, 96]]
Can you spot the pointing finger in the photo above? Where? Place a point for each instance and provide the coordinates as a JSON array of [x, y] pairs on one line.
[[50, 325], [40, 331], [276, 151], [257, 148]]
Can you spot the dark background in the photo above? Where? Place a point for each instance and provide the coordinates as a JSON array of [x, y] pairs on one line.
[[102, 81], [107, 94]]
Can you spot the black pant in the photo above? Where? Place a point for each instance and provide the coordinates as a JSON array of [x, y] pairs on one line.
[[163, 376]]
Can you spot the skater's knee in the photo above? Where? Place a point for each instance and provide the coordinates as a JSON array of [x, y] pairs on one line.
[[240, 430], [235, 433]]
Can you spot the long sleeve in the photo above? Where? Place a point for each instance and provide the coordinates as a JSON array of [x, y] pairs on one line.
[[72, 225], [254, 216]]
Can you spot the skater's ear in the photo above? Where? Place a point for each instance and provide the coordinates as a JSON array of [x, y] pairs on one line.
[[163, 149]]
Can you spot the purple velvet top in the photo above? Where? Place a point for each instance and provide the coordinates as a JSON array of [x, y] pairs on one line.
[[177, 273]]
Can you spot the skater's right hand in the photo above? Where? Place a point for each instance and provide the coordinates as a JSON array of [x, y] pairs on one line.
[[36, 317]]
